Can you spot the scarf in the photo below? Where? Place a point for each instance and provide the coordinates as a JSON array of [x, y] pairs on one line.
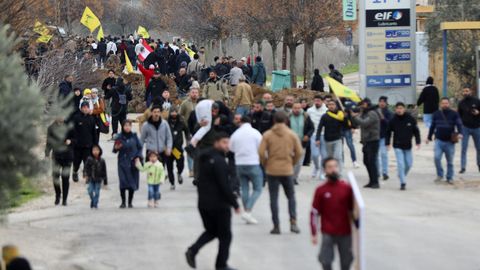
[[297, 123], [340, 116]]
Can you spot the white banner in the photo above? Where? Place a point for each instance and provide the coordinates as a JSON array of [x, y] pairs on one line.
[[358, 233]]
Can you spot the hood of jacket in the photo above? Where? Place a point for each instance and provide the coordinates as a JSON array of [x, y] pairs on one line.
[[280, 129]]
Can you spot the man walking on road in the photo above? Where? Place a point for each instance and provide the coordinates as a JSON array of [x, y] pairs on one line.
[[385, 117], [443, 126], [215, 200], [85, 135], [279, 151], [318, 152], [157, 136], [332, 124], [430, 99], [302, 126], [333, 204], [469, 110], [244, 144], [404, 128], [369, 123]]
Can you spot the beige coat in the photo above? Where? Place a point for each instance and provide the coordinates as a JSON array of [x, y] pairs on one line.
[[243, 95]]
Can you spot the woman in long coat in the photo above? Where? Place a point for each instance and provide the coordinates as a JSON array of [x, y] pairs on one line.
[[129, 148]]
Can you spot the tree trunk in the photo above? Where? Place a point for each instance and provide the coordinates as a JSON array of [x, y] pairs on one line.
[[292, 50], [284, 55], [69, 22], [251, 42], [274, 46], [224, 46], [308, 70], [259, 47]]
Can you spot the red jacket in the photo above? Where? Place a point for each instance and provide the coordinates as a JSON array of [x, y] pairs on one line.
[[333, 202], [147, 73]]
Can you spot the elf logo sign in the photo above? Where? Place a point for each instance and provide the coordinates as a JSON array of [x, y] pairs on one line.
[[388, 18]]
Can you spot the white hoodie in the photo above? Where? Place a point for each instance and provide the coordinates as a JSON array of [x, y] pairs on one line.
[[315, 115]]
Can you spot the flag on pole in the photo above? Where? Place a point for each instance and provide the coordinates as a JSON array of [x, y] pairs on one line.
[[145, 51], [44, 38], [90, 20], [143, 32], [128, 64], [43, 31], [189, 51], [341, 90], [100, 33]]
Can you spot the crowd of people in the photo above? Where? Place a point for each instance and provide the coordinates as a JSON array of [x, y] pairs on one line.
[[234, 145]]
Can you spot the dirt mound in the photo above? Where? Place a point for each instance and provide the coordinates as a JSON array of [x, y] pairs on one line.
[[279, 97]]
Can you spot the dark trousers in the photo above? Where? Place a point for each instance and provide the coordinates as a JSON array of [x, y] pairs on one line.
[[217, 223], [344, 245], [61, 171], [123, 192], [274, 183], [370, 156], [180, 166], [80, 154], [118, 117]]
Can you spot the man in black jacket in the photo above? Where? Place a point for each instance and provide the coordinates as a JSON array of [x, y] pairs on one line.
[[317, 82], [102, 50], [333, 122], [85, 136], [120, 95], [261, 120], [178, 129], [430, 99], [469, 110], [155, 87], [215, 199], [404, 127]]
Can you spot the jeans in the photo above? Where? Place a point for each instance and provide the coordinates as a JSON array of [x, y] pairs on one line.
[[190, 163], [344, 245], [247, 174], [94, 192], [370, 154], [335, 150], [154, 192], [298, 166], [447, 148], [347, 134], [404, 163], [217, 223], [274, 183], [318, 154], [382, 158], [475, 133], [427, 119], [243, 110]]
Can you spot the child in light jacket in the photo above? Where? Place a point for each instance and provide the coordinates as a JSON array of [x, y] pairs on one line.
[[155, 177]]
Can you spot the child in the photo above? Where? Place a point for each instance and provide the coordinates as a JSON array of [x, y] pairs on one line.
[[155, 177], [95, 173]]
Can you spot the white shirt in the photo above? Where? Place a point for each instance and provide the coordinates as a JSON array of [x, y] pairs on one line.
[[111, 46], [244, 143], [315, 115]]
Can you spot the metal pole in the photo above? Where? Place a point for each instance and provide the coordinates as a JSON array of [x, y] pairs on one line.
[[445, 63], [478, 71]]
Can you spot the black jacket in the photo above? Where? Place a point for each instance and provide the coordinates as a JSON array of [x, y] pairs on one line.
[[404, 128], [333, 128], [317, 83], [214, 187], [262, 121], [178, 129], [95, 170], [155, 88], [57, 135], [386, 116], [465, 108], [118, 91], [102, 48], [85, 133], [65, 89], [183, 83], [444, 123], [108, 81], [430, 99]]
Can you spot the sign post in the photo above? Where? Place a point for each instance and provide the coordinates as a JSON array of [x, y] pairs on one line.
[[478, 70], [387, 50], [349, 10]]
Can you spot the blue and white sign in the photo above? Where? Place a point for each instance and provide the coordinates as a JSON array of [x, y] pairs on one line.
[[387, 4], [397, 45]]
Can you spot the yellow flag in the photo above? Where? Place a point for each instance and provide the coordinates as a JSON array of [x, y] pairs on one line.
[[128, 64], [89, 19], [44, 38], [41, 29], [143, 32], [100, 33], [190, 52], [341, 90]]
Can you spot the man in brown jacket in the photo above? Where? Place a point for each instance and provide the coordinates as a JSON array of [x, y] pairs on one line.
[[279, 151], [243, 99]]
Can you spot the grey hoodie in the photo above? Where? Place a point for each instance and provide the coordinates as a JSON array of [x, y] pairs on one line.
[[157, 140]]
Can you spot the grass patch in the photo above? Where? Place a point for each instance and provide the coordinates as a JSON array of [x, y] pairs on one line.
[[350, 68], [26, 193]]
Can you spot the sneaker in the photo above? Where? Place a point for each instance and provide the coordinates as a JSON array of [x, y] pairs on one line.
[[225, 268], [403, 187], [190, 256], [64, 203], [180, 178], [130, 205], [123, 206], [438, 179], [356, 165], [275, 230], [450, 182], [462, 171], [249, 218], [57, 200], [75, 177], [375, 186], [385, 177], [293, 227], [172, 187], [150, 204], [190, 174], [155, 204]]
